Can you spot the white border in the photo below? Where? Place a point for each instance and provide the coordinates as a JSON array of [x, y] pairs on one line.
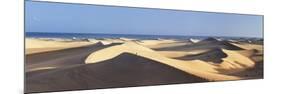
[[11, 48]]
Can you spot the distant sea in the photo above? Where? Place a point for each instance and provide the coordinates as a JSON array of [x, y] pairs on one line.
[[101, 36]]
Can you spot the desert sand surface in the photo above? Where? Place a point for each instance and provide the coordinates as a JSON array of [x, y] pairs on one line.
[[124, 70], [126, 62], [43, 45], [60, 58]]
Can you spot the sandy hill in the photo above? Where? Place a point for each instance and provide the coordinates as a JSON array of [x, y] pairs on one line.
[[119, 71]]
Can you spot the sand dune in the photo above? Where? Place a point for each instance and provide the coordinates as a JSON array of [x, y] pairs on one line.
[[248, 46], [119, 71], [53, 44], [114, 51], [214, 43], [179, 54], [257, 70], [196, 67], [213, 55], [166, 45], [38, 45], [107, 63], [162, 43], [209, 43], [60, 58], [155, 42], [235, 62], [248, 53]]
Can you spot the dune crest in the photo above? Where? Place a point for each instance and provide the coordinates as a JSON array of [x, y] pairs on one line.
[[114, 51]]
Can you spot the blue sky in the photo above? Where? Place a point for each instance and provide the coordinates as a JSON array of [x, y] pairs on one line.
[[77, 18]]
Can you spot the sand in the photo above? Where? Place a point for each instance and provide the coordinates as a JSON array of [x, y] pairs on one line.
[[33, 46], [123, 62], [60, 58], [116, 72], [233, 61]]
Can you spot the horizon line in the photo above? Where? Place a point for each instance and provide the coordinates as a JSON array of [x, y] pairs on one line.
[[149, 34]]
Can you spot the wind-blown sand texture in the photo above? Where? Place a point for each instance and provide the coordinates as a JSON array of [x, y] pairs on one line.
[[124, 62]]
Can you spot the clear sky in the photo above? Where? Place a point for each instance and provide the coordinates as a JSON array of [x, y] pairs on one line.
[[77, 18]]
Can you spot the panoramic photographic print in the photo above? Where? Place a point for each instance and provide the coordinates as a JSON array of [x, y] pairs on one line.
[[82, 46]]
